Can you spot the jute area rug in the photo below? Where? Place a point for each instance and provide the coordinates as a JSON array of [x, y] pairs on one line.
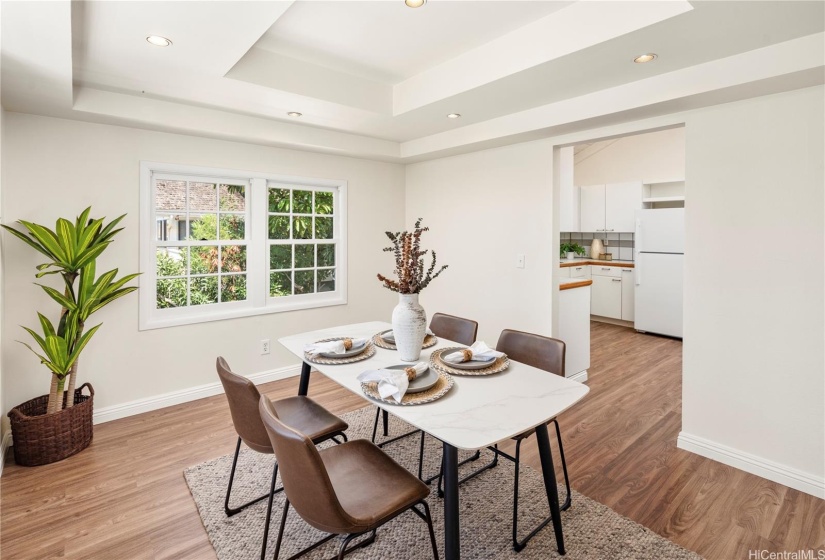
[[591, 530]]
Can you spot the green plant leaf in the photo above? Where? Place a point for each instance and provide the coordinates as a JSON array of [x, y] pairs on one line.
[[66, 237], [59, 298], [81, 344], [28, 240], [91, 254], [112, 297], [48, 328], [58, 352], [48, 239]]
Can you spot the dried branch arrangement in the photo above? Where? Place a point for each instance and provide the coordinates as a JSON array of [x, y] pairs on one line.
[[409, 262]]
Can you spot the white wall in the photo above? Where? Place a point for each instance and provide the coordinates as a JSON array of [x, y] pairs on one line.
[[651, 157], [484, 208], [754, 350], [54, 168]]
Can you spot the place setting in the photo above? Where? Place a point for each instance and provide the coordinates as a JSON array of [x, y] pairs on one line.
[[476, 360], [339, 350], [386, 339], [406, 384]]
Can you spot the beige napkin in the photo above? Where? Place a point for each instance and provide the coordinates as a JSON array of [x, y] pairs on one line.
[[478, 352], [332, 347], [391, 382]]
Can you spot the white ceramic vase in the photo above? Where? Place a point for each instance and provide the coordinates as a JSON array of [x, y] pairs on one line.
[[409, 325]]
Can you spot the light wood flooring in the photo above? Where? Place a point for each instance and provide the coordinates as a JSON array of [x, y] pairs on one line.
[[125, 496]]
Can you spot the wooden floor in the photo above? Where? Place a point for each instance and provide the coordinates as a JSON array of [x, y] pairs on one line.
[[125, 496]]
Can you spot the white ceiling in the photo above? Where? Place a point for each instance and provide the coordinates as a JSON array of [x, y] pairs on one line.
[[376, 79], [389, 42]]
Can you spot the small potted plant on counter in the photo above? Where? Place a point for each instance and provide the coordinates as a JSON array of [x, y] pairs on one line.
[[570, 250], [54, 426]]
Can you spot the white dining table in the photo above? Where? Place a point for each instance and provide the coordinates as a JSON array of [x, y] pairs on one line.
[[476, 413]]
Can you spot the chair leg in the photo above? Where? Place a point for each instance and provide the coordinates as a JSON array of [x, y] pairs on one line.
[[567, 500], [375, 426], [429, 520], [269, 511], [385, 416], [232, 511], [342, 550], [473, 474], [281, 530]]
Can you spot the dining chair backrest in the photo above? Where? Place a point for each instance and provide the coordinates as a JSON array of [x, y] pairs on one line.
[[304, 476], [541, 352], [243, 399], [454, 328]]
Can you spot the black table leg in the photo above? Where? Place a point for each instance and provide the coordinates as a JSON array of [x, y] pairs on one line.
[[549, 472], [303, 386], [452, 538]]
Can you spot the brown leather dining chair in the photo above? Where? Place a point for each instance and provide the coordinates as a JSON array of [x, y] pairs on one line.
[[301, 412], [544, 353], [449, 327], [351, 489]]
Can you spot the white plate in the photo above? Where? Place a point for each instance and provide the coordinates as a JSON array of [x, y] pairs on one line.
[[348, 354], [422, 382]]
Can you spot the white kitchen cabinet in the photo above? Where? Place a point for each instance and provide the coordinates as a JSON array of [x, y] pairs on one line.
[[564, 272], [611, 207], [569, 213], [621, 202], [592, 208], [582, 271], [628, 292], [606, 297], [574, 330]]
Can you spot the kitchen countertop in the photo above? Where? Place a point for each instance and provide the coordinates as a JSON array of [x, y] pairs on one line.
[[578, 262], [570, 283]]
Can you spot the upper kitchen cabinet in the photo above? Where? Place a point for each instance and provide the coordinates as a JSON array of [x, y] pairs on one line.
[[592, 208], [568, 193], [611, 207]]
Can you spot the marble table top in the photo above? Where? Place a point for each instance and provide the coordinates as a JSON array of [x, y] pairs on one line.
[[477, 411]]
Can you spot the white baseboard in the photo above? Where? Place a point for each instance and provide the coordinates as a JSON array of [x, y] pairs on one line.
[[581, 377], [4, 446], [770, 470], [611, 321], [114, 412]]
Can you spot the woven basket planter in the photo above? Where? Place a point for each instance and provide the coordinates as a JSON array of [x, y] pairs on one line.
[[40, 438]]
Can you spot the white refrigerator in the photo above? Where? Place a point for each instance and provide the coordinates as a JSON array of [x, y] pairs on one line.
[[660, 254]]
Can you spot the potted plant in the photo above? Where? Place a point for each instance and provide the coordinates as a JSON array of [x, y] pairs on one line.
[[54, 426], [409, 320], [570, 250]]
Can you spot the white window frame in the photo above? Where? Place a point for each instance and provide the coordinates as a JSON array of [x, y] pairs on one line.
[[258, 300]]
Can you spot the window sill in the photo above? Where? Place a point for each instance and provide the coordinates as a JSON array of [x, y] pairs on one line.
[[273, 306]]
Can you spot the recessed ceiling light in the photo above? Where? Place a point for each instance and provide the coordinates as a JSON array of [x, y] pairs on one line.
[[159, 41], [295, 114], [415, 3], [642, 58], [453, 116]]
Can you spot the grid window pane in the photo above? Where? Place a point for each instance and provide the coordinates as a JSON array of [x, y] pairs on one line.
[[304, 281], [171, 293], [326, 280], [302, 227], [323, 228], [304, 256], [232, 198], [279, 227], [232, 226], [280, 284], [171, 261], [280, 257], [203, 227], [279, 200], [203, 197], [302, 202], [233, 258], [203, 290], [323, 202], [233, 288], [203, 259], [170, 195], [326, 255]]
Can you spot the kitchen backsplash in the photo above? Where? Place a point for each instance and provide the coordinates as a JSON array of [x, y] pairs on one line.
[[620, 245]]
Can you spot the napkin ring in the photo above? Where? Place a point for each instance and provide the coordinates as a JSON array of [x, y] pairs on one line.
[[468, 354], [347, 344], [411, 373]]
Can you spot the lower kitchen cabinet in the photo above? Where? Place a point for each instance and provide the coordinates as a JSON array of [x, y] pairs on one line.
[[606, 297], [628, 292]]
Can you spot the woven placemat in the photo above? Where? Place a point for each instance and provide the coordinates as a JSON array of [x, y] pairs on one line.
[[367, 353], [429, 340], [438, 364], [445, 383]]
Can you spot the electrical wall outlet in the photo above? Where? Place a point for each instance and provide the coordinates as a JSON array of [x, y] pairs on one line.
[[264, 347], [519, 261]]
